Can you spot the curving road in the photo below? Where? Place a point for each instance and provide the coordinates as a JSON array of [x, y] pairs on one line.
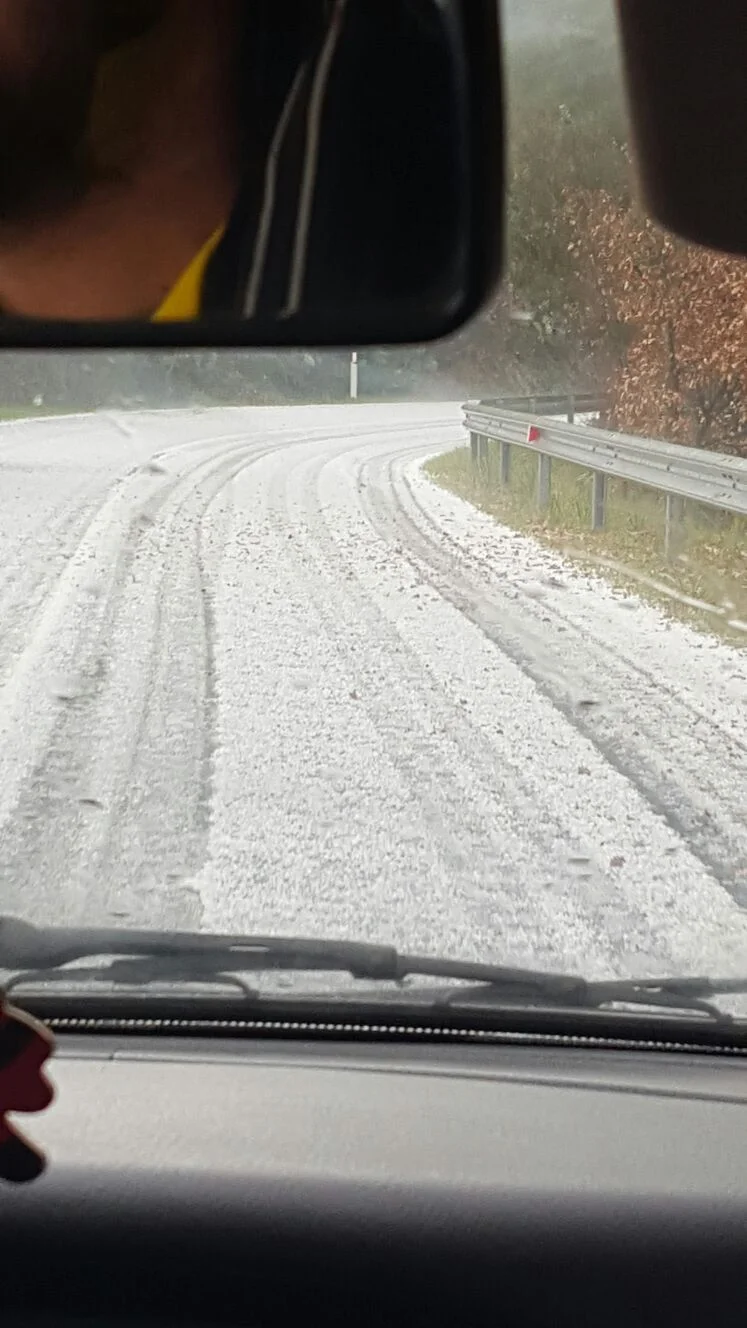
[[258, 673]]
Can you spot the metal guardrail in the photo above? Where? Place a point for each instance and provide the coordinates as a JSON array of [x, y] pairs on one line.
[[680, 472], [569, 404]]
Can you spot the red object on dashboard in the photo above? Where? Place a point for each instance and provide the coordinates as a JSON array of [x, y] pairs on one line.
[[25, 1045]]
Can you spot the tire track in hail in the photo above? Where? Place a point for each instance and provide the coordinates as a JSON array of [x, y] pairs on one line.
[[581, 872], [159, 833], [721, 823], [527, 645], [636, 917], [29, 580], [660, 684], [63, 828], [451, 791], [285, 441]]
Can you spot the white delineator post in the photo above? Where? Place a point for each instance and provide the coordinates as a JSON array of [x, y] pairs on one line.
[[354, 375]]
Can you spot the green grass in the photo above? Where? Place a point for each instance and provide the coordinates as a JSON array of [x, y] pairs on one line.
[[709, 563], [30, 412]]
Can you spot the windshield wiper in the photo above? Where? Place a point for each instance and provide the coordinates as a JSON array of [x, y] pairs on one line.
[[676, 994], [29, 953]]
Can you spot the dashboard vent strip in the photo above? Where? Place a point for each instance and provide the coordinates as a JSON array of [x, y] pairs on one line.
[[385, 1032]]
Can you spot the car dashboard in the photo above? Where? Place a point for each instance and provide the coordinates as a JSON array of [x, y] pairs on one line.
[[226, 1181]]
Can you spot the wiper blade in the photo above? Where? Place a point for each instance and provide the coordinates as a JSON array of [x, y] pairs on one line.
[[675, 994], [142, 957]]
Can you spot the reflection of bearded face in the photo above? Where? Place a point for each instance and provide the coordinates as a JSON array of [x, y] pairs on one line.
[[49, 51]]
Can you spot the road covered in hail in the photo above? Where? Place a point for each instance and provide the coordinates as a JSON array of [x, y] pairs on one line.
[[257, 673]]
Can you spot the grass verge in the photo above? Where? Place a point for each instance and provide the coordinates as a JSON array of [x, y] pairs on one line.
[[703, 582], [10, 413]]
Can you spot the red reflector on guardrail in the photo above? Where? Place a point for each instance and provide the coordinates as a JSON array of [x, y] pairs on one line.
[[533, 433]]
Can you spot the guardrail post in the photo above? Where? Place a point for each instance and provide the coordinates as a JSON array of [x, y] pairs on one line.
[[480, 450], [674, 513], [544, 471], [598, 499], [505, 462], [490, 458], [571, 409]]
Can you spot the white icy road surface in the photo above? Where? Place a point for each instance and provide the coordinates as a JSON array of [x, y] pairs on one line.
[[258, 674]]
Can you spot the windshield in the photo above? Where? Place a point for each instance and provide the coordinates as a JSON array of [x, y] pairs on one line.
[[299, 643]]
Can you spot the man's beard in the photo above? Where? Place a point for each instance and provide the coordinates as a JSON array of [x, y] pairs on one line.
[[49, 55]]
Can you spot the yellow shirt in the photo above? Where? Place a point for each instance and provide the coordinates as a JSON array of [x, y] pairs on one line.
[[183, 302]]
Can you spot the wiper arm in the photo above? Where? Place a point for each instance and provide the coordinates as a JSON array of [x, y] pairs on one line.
[[26, 950], [142, 957], [23, 945]]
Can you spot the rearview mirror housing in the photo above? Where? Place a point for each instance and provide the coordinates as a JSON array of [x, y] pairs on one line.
[[352, 196], [685, 65]]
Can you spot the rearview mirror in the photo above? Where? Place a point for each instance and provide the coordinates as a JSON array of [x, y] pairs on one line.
[[247, 172], [685, 65]]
